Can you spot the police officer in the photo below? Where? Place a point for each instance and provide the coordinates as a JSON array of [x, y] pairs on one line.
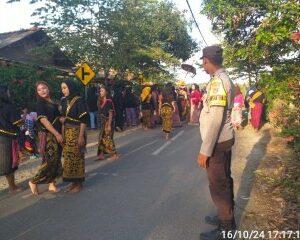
[[217, 140]]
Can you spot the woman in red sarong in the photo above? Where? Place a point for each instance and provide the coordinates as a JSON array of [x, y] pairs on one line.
[[256, 103], [195, 101]]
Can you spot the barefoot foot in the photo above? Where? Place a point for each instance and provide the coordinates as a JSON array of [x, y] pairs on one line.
[[100, 158], [52, 188], [69, 187], [113, 157], [77, 188], [33, 188], [15, 189]]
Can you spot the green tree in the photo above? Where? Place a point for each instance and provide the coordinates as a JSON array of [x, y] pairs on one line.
[[144, 35], [256, 33], [257, 41], [21, 78]]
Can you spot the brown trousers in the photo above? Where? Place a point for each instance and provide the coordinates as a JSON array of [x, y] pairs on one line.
[[220, 180]]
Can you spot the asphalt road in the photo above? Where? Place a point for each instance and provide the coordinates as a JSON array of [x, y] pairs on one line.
[[154, 191]]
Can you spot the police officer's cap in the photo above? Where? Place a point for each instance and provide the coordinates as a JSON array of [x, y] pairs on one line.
[[213, 53]]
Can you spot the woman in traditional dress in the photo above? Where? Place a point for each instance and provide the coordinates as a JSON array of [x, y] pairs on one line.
[[50, 140], [182, 100], [9, 122], [176, 116], [106, 144], [166, 110], [237, 110], [146, 107], [195, 101], [74, 114], [256, 102]]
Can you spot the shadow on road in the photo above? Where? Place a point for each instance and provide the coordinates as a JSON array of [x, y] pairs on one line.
[[252, 162]]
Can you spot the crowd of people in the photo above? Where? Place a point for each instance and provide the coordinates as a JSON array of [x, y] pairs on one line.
[[58, 128], [145, 109], [61, 129]]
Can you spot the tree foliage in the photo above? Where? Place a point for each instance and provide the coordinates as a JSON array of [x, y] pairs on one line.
[[256, 33], [258, 43], [143, 35], [21, 79]]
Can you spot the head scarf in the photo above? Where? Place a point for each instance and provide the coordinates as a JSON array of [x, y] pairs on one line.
[[181, 83], [145, 93], [73, 90]]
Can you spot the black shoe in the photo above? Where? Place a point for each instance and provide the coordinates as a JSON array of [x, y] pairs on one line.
[[225, 231], [212, 220], [215, 221]]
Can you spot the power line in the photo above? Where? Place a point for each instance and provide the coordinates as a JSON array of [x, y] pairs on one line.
[[187, 1]]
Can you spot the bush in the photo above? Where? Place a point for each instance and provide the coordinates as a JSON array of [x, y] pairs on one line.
[[21, 80], [285, 117], [281, 87]]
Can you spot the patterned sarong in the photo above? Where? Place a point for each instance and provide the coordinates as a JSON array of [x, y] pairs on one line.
[[50, 152], [166, 113], [146, 118], [106, 142], [74, 165], [8, 155]]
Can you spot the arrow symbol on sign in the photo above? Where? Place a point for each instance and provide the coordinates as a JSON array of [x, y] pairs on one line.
[[83, 73]]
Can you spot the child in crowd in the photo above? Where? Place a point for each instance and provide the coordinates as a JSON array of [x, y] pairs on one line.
[[28, 134]]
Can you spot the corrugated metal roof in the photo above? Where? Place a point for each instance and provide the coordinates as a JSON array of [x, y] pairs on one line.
[[9, 38]]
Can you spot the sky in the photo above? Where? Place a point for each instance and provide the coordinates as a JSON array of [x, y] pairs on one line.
[[17, 16]]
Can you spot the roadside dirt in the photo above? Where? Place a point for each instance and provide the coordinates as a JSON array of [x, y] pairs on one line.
[[270, 195]]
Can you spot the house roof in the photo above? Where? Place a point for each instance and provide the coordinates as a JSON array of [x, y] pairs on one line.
[[9, 38], [17, 46]]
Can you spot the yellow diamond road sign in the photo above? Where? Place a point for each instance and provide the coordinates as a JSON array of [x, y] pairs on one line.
[[85, 73]]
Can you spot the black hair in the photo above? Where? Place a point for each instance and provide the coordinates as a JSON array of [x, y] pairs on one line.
[[196, 86]]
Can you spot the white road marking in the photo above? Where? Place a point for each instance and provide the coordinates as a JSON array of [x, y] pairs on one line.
[[91, 175], [30, 229], [157, 151], [139, 148], [27, 195]]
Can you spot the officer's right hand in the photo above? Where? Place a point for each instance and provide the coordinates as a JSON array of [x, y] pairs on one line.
[[202, 160]]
